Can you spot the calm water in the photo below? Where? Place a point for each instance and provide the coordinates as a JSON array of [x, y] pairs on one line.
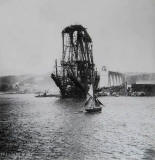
[[50, 128]]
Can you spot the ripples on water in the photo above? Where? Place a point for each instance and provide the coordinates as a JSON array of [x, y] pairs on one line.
[[52, 128]]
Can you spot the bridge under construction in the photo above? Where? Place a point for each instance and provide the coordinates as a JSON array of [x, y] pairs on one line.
[[112, 81], [115, 78]]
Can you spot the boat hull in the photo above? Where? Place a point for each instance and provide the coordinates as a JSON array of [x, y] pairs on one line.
[[92, 110]]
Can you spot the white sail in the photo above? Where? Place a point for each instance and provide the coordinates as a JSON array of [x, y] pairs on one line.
[[90, 92]]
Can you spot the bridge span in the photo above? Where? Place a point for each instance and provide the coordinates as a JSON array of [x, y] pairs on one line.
[[115, 78]]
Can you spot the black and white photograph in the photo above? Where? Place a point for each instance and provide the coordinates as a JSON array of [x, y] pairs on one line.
[[77, 79]]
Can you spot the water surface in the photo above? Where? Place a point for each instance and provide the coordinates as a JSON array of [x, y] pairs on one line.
[[52, 128]]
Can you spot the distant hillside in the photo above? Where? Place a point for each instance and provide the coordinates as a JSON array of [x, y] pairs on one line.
[[132, 78], [27, 83], [37, 83]]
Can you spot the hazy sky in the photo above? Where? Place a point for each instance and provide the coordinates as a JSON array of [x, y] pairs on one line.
[[123, 33]]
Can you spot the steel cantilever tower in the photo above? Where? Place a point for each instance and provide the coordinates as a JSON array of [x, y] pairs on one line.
[[77, 68]]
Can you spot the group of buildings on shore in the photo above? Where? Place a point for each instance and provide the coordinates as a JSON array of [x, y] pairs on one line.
[[129, 84]]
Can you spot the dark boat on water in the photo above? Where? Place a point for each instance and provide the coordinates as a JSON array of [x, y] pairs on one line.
[[45, 94], [74, 73], [49, 95]]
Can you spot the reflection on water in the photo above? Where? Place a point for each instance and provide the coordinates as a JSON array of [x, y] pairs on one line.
[[149, 154], [52, 128]]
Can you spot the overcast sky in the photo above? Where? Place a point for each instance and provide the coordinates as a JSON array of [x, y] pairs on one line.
[[123, 33]]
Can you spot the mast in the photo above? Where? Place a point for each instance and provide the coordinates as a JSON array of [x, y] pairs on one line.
[[56, 69]]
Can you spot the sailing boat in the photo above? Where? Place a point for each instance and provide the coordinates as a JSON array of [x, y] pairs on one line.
[[92, 104]]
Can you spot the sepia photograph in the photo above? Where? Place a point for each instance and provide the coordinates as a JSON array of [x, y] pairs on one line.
[[77, 79]]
